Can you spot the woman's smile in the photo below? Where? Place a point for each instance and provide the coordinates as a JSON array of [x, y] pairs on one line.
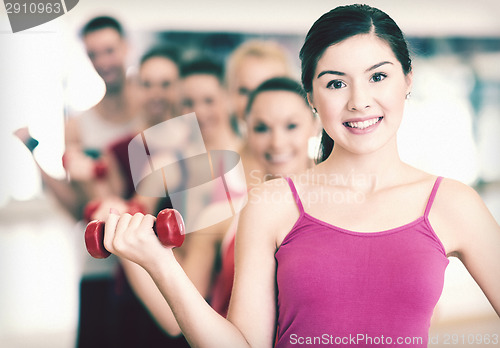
[[363, 126]]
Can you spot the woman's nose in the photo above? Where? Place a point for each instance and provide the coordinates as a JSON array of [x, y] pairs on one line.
[[276, 139], [359, 99]]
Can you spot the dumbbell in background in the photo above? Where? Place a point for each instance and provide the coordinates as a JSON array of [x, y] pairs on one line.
[[169, 227], [100, 167]]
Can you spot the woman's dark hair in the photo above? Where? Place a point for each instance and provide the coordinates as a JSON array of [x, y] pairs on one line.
[[203, 65], [163, 51], [276, 84], [342, 23]]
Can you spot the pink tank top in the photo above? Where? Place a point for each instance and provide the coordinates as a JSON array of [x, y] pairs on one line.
[[348, 288]]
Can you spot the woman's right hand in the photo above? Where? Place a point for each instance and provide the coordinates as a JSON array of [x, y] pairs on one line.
[[133, 238]]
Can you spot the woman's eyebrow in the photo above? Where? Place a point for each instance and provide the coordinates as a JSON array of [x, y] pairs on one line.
[[334, 72], [378, 65]]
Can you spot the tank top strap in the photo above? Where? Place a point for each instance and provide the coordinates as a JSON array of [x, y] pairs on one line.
[[432, 196], [295, 195]]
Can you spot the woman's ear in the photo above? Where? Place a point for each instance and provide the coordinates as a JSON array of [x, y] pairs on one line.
[[317, 127], [310, 100], [409, 81], [311, 105]]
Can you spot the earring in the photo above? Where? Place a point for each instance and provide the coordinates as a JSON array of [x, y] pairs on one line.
[[243, 129], [315, 112], [408, 95]]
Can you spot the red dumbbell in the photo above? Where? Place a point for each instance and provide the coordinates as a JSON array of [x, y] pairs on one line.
[[169, 227]]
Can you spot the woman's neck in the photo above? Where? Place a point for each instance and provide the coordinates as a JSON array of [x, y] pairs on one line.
[[368, 172]]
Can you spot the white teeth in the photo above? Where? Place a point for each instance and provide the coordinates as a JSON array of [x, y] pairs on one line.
[[279, 158], [363, 125]]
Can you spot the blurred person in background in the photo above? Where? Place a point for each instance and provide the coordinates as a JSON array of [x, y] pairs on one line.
[[91, 133], [158, 92], [87, 135], [204, 92], [249, 65], [129, 322]]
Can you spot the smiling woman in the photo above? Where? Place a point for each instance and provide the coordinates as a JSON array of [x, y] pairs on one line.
[[382, 26], [362, 75]]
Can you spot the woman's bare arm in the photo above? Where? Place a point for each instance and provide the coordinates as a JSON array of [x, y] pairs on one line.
[[460, 213], [198, 261]]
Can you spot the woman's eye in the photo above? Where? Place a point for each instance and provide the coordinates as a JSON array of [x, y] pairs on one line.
[[260, 128], [335, 84], [378, 77], [292, 126]]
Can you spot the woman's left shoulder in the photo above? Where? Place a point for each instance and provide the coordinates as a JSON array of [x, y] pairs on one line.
[[459, 216], [456, 194], [447, 191]]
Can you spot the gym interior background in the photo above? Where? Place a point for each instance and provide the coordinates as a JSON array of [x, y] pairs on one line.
[[451, 128]]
